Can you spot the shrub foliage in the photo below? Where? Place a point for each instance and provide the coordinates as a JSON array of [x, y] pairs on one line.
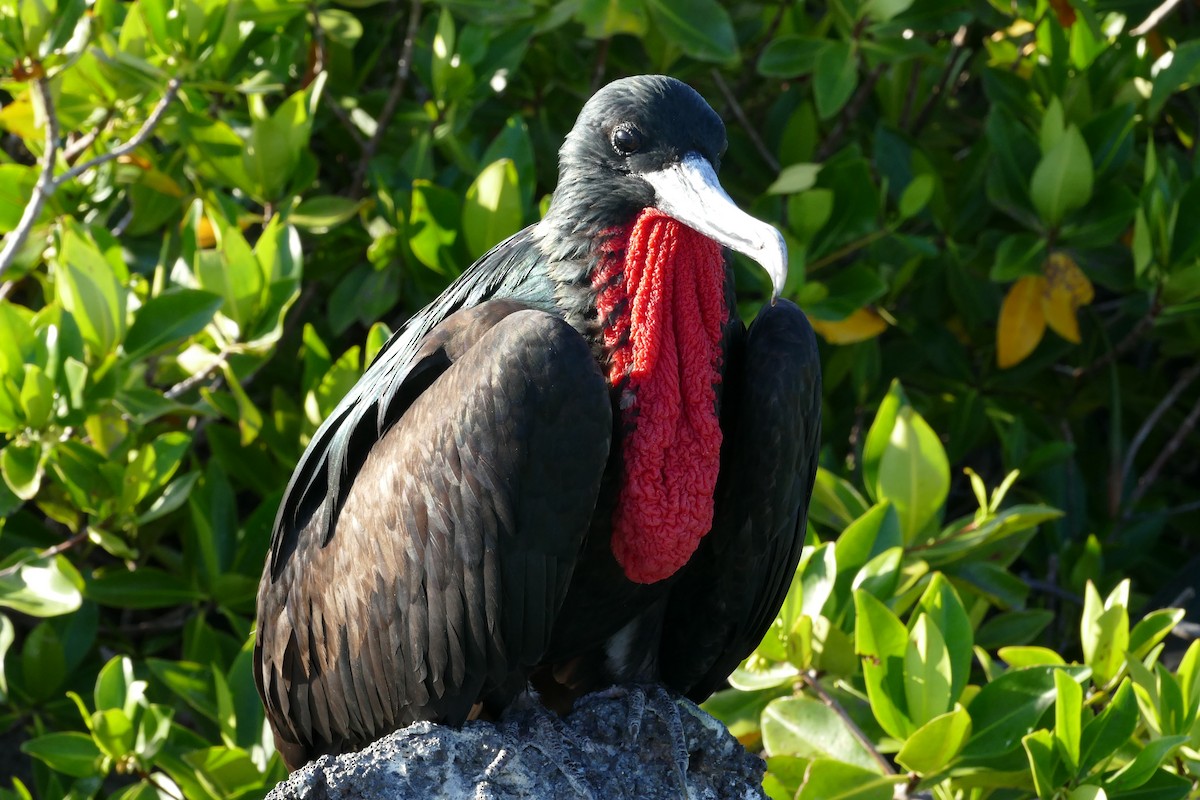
[[213, 211]]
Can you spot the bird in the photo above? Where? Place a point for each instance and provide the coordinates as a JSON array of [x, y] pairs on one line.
[[575, 468]]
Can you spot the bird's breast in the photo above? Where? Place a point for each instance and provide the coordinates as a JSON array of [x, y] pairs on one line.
[[661, 302]]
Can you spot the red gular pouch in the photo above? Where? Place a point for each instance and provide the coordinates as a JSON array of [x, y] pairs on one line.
[[662, 303]]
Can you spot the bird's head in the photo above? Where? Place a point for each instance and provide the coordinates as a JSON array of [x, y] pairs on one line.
[[651, 141]]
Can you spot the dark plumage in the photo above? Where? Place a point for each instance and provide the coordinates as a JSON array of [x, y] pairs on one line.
[[448, 536]]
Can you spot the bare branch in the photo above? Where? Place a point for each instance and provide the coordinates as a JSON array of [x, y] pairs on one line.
[[45, 185], [49, 552], [403, 67], [1188, 377], [953, 65], [1156, 16], [810, 680], [156, 115], [736, 108], [1151, 475]]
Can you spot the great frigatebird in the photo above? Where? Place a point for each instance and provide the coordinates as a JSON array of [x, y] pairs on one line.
[[575, 468]]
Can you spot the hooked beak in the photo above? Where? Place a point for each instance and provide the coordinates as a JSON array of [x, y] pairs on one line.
[[689, 192]]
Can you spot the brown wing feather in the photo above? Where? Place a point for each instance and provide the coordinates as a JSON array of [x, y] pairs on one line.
[[448, 563]]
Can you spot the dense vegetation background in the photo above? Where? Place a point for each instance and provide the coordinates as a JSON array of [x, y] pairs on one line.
[[215, 211]]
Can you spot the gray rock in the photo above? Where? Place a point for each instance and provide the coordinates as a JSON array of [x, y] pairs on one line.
[[614, 744]]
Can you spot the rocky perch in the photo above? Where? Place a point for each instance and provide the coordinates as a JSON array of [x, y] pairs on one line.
[[614, 744]]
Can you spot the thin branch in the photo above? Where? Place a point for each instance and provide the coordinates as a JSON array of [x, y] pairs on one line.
[[1188, 377], [327, 97], [842, 252], [1133, 337], [953, 66], [49, 552], [403, 67], [45, 182], [156, 115], [1151, 475], [1156, 16], [601, 64], [849, 114], [736, 107], [810, 680]]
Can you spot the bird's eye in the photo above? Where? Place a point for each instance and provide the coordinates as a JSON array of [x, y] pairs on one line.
[[626, 140]]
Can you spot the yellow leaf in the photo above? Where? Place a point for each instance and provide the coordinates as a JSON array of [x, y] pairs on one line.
[[858, 327], [18, 119], [1067, 288], [1022, 321]]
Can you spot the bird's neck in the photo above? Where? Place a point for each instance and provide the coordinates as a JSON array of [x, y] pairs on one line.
[[661, 310]]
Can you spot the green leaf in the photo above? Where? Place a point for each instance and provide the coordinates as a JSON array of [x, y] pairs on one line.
[[882, 642], [926, 672], [492, 207], [1110, 730], [90, 290], [790, 56], [145, 587], [1021, 657], [39, 586], [885, 10], [916, 195], [835, 77], [43, 662], [1018, 255], [700, 28], [113, 731], [231, 271], [1146, 763], [1062, 181], [116, 686], [933, 746], [1043, 761], [795, 178], [166, 318], [828, 779], [1152, 629], [22, 467], [320, 214], [914, 473], [603, 19], [1104, 633], [277, 140], [880, 434], [1068, 708], [1009, 708], [945, 610], [803, 726], [191, 682], [7, 636], [72, 754]]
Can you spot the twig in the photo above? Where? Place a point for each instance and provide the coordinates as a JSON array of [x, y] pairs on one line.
[[1135, 334], [1185, 380], [1156, 16], [810, 680], [736, 107], [403, 66], [1151, 475], [77, 147], [156, 115], [910, 96], [45, 182], [319, 67], [192, 381], [601, 63], [49, 552], [842, 252], [849, 114], [953, 65]]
